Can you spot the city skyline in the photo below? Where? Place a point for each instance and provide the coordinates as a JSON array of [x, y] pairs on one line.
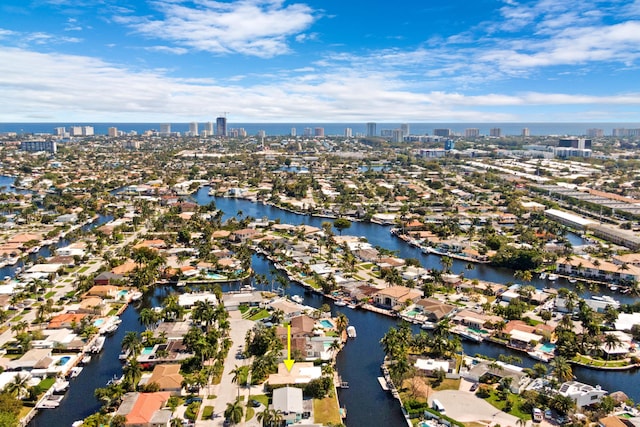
[[313, 61]]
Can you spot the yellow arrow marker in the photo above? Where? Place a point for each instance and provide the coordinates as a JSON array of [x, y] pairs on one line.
[[288, 362]]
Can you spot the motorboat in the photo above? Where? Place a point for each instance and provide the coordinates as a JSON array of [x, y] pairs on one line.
[[85, 359], [572, 280], [297, 298], [136, 295], [60, 386], [552, 277], [428, 326], [351, 331], [543, 275], [340, 303], [98, 344], [75, 371]]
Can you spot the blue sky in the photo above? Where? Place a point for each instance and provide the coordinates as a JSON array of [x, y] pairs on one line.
[[320, 60]]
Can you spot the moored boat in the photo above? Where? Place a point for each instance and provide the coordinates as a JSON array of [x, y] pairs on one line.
[[351, 331], [297, 298], [552, 277]]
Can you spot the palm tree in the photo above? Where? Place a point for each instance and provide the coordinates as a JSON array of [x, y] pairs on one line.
[[148, 317], [342, 321], [132, 374], [18, 386], [611, 341], [132, 343], [237, 373], [234, 412], [562, 369]]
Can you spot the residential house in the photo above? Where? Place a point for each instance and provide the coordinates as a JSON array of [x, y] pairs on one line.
[[395, 296], [244, 235], [598, 269], [104, 291], [433, 309], [288, 400], [168, 378], [66, 320], [106, 278], [93, 305], [145, 409], [582, 394]]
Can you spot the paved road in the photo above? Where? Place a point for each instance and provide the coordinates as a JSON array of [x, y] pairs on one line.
[[226, 391]]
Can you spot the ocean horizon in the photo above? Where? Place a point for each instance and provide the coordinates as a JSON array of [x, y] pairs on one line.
[[338, 129]]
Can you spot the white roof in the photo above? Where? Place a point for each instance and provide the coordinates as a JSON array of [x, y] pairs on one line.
[[288, 400], [627, 320], [576, 219], [524, 336], [190, 299], [432, 365]]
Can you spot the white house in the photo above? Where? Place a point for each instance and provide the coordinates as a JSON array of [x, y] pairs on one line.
[[582, 394]]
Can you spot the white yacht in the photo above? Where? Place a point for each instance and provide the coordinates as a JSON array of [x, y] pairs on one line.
[[552, 277], [297, 298], [351, 331]]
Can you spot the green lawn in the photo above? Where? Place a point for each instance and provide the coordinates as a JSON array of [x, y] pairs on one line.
[[495, 400], [262, 314], [262, 398], [49, 295], [326, 411], [83, 269]]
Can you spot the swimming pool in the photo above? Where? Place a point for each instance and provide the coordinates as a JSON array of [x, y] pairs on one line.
[[326, 324], [63, 360], [412, 313], [548, 347], [123, 293], [147, 351], [216, 276], [98, 322], [478, 331]]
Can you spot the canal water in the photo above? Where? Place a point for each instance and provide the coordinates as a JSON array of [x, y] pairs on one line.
[[359, 362]]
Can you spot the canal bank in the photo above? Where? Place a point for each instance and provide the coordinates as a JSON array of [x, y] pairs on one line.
[[358, 363]]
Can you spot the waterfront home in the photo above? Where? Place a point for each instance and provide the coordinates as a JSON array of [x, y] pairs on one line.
[[104, 291], [145, 409], [433, 309], [396, 296], [63, 338], [36, 358], [615, 421], [628, 259], [301, 373], [620, 349], [66, 320], [9, 377], [189, 300], [430, 366], [288, 400], [168, 378], [124, 269], [582, 394], [474, 319], [93, 305], [598, 269], [498, 370]]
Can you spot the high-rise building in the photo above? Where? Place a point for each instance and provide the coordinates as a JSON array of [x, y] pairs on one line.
[[371, 129], [221, 126], [193, 129], [397, 135], [262, 134], [405, 129], [348, 132], [595, 133], [40, 145], [75, 131], [307, 132], [472, 133], [131, 145], [495, 132], [112, 132], [318, 132], [165, 128], [449, 145], [59, 131], [87, 130], [208, 128], [579, 143], [442, 132], [293, 132], [525, 132]]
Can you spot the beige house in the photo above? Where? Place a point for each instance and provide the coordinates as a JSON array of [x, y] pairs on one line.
[[168, 377], [396, 296]]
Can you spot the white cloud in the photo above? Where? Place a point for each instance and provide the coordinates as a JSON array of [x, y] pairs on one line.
[[81, 88], [251, 27], [168, 49]]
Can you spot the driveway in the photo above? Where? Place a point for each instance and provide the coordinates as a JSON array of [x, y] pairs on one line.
[[465, 407]]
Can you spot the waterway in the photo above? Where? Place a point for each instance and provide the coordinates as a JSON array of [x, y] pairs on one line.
[[359, 362]]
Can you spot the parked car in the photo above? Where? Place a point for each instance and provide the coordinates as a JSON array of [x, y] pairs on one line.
[[193, 399], [254, 403], [474, 387]]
